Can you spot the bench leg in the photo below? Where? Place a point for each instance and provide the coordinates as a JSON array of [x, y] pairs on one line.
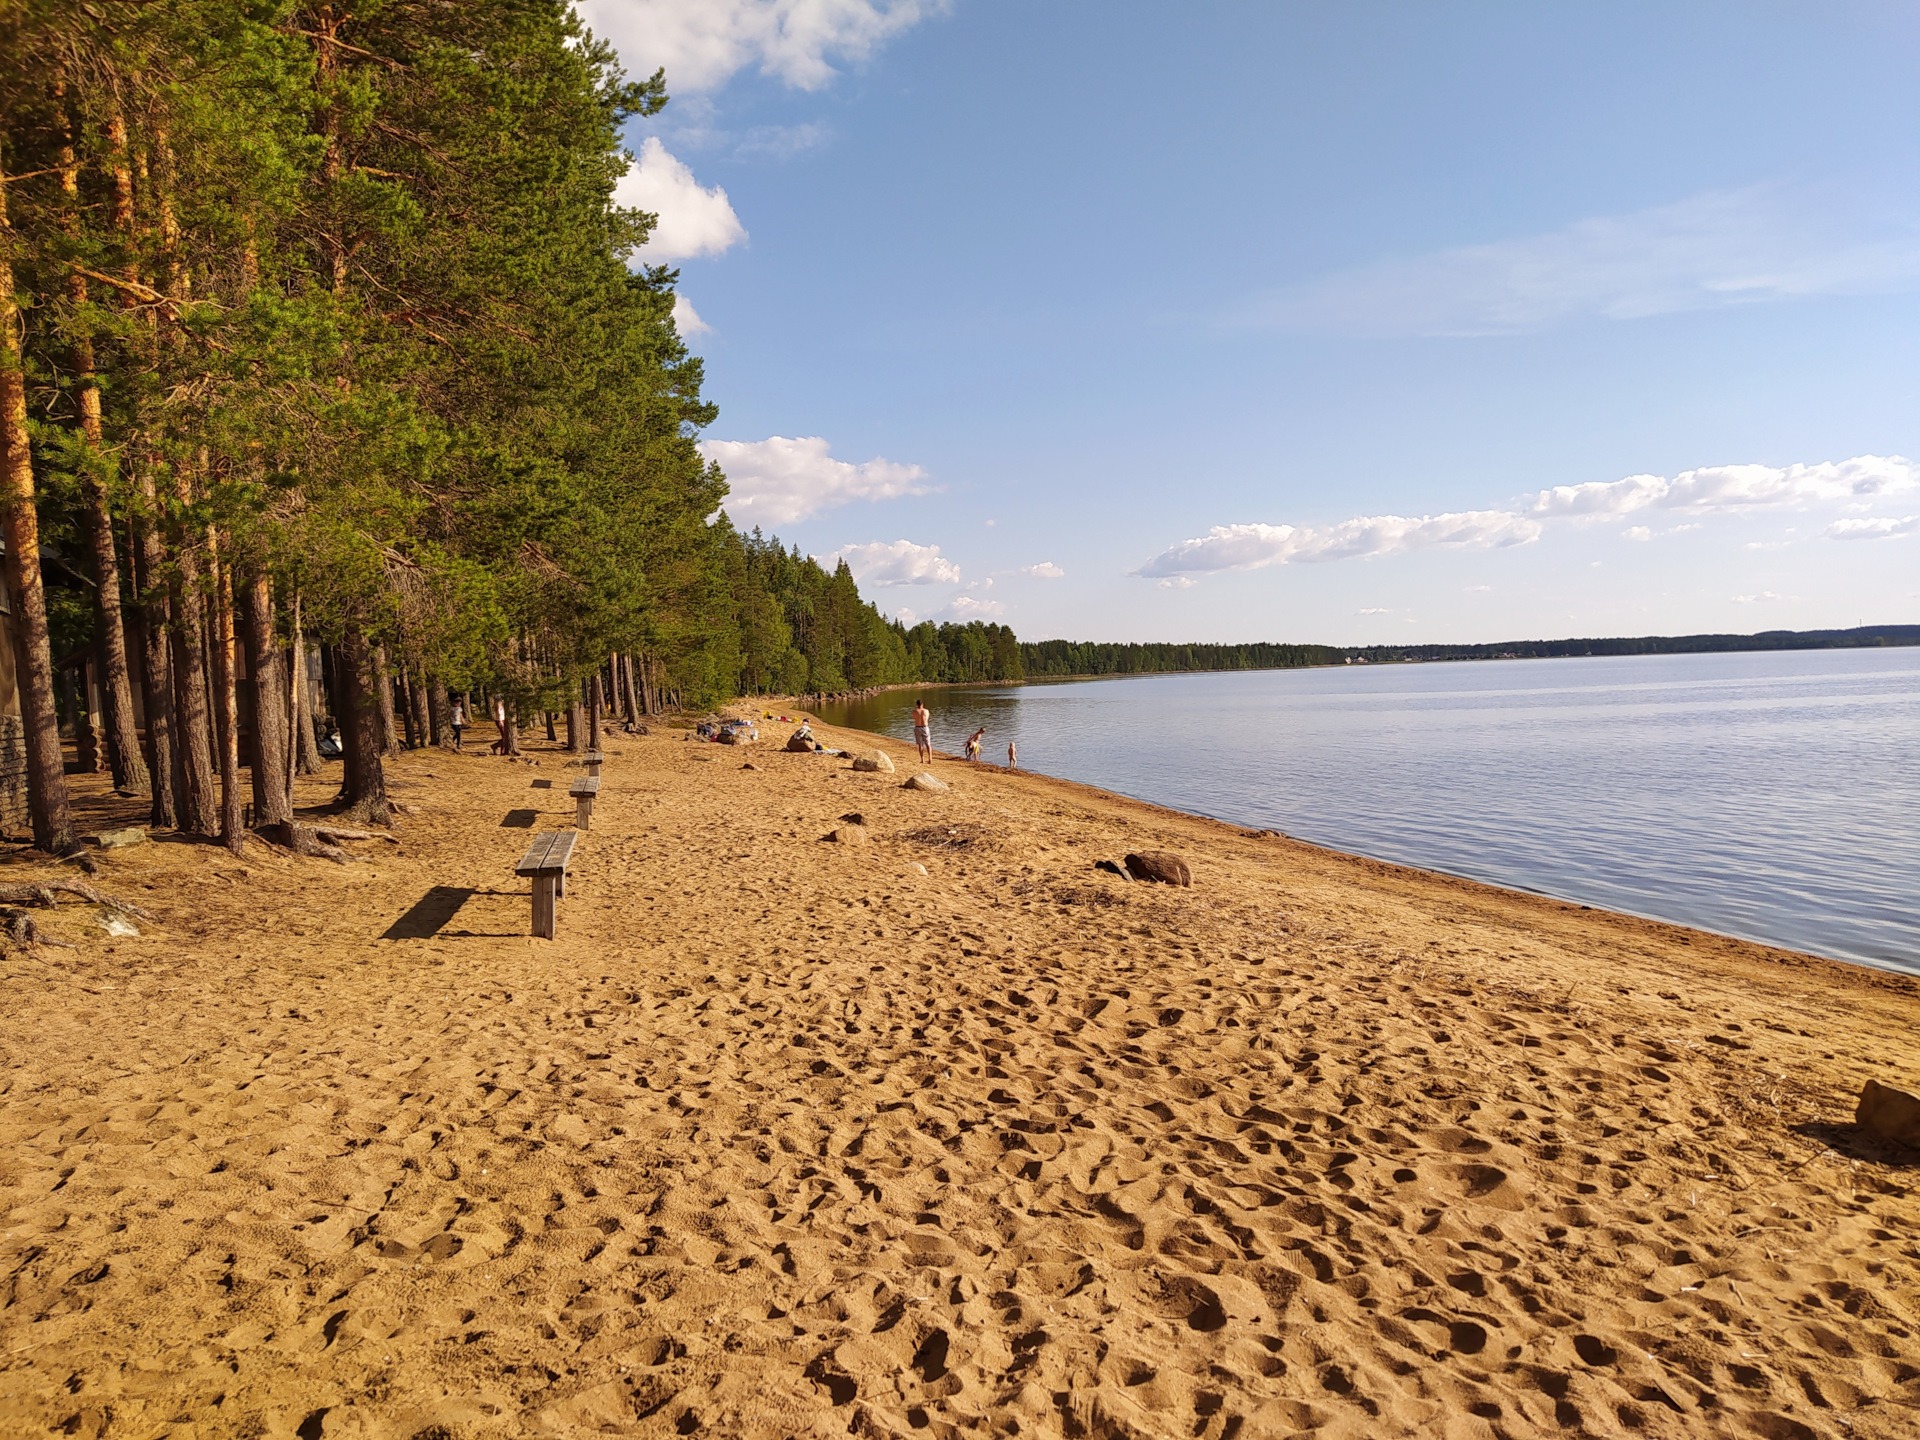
[[593, 770], [560, 886], [582, 813], [544, 894]]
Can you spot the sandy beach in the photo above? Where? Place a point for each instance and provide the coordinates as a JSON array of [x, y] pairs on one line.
[[944, 1132]]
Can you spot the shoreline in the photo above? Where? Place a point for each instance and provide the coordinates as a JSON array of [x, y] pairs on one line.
[[1882, 966], [935, 1125]]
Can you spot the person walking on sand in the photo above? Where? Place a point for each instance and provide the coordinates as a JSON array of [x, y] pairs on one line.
[[457, 721], [973, 743], [922, 732], [1013, 756]]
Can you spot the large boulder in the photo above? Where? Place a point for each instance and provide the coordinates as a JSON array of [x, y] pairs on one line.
[[801, 743], [1159, 865], [877, 763], [1889, 1114], [924, 781]]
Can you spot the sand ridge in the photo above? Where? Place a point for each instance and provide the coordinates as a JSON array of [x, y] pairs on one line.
[[786, 1138]]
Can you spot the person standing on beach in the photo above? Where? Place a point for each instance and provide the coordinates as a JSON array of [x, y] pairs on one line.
[[922, 732], [457, 721]]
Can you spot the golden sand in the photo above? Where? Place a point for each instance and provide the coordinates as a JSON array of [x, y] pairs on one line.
[[783, 1137]]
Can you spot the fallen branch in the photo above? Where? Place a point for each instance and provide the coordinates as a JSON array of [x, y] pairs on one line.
[[42, 897], [18, 929]]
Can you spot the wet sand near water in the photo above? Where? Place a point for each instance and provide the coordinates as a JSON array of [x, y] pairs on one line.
[[783, 1137]]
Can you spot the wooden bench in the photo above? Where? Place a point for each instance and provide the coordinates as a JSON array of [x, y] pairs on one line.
[[546, 862], [593, 760], [584, 793]]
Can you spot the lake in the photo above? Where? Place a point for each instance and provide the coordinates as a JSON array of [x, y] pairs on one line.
[[1772, 795]]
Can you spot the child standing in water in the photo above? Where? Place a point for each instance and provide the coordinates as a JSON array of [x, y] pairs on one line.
[[1013, 756]]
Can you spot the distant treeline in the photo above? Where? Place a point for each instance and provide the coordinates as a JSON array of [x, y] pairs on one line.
[[1054, 658], [818, 634], [1859, 637]]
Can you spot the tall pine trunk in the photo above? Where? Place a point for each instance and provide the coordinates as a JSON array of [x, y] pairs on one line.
[[46, 769], [576, 719], [594, 704], [383, 701], [364, 796], [193, 731], [144, 551], [417, 708], [233, 830], [437, 711], [267, 671], [306, 744], [124, 760]]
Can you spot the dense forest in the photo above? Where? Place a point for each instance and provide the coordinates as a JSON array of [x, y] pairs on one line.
[[324, 355]]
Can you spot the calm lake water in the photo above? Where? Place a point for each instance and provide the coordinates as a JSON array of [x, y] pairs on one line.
[[1774, 796]]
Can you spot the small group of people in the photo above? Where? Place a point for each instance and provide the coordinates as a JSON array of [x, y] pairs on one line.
[[923, 738]]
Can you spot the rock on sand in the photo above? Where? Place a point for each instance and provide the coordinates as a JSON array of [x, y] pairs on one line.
[[874, 764], [1889, 1113], [925, 781], [848, 835], [1159, 865]]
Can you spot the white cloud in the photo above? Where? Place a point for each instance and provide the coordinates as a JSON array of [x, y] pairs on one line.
[[965, 607], [704, 43], [1478, 589], [896, 562], [1045, 570], [1762, 598], [1884, 527], [1636, 532], [686, 319], [1716, 249], [692, 220], [1179, 582], [780, 480], [1376, 610], [1718, 488], [1253, 547]]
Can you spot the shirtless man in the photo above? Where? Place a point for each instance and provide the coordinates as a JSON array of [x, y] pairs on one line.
[[922, 733]]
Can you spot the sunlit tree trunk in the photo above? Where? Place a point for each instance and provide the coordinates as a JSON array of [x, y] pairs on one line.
[[594, 705], [46, 771], [124, 760], [306, 744], [233, 830], [199, 802], [267, 673], [364, 796], [383, 702]]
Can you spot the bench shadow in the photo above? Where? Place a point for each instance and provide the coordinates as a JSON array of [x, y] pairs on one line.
[[519, 819], [430, 913], [542, 785], [1857, 1144]]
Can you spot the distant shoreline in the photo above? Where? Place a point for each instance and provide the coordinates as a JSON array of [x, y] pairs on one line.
[[1860, 637]]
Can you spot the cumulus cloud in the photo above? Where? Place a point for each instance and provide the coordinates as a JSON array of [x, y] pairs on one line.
[[967, 607], [1732, 488], [686, 319], [896, 562], [780, 480], [1717, 249], [1179, 582], [1376, 610], [693, 220], [1045, 570], [1728, 489], [1884, 527], [704, 43], [1253, 547]]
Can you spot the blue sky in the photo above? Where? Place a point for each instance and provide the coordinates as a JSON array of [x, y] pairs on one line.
[[1349, 323]]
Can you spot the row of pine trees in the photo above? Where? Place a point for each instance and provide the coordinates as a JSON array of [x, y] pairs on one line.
[[320, 334]]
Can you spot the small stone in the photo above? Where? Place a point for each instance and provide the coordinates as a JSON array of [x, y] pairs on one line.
[[848, 835], [1889, 1114], [874, 764], [918, 868], [115, 839], [1159, 865], [931, 783], [118, 925], [749, 766]]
